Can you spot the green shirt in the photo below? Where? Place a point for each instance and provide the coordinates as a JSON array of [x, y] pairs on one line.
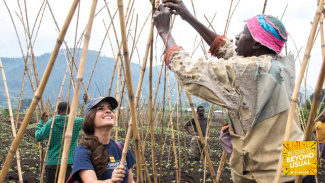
[[43, 131]]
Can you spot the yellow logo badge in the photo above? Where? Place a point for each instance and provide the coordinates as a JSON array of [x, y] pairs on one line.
[[299, 158], [112, 159]]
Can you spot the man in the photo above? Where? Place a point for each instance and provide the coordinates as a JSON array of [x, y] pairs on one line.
[[43, 131], [319, 128], [252, 80], [195, 145]]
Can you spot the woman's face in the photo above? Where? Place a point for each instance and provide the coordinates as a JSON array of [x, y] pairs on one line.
[[245, 43], [104, 115]]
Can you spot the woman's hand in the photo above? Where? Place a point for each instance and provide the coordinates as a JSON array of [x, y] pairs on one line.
[[162, 20], [162, 23], [118, 174], [179, 7]]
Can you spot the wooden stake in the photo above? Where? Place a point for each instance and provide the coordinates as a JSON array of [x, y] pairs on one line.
[[172, 128], [178, 141], [162, 130], [221, 165], [265, 2], [38, 94], [183, 130], [153, 155], [298, 84], [75, 99], [227, 22], [206, 146], [202, 42], [128, 78], [20, 97], [13, 128]]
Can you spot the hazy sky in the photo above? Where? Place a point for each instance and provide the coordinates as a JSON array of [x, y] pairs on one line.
[[297, 18]]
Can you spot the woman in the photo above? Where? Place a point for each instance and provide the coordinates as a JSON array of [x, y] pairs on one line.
[[97, 158]]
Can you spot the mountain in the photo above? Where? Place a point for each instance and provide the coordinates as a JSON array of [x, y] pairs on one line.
[[99, 86]]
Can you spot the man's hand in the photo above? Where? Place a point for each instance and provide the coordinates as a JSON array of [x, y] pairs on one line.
[[195, 134], [118, 174], [85, 98], [44, 116], [177, 6]]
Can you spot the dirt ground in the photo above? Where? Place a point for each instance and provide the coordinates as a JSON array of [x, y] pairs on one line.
[[191, 171]]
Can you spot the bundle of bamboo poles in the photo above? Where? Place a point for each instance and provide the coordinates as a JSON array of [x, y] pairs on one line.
[[38, 94]]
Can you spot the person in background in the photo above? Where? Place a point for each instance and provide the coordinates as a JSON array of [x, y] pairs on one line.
[[195, 145], [319, 128], [43, 131]]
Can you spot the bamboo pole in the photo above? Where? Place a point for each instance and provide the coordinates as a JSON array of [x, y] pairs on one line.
[[202, 42], [322, 46], [13, 128], [119, 74], [100, 49], [136, 136], [20, 98], [195, 47], [265, 2], [231, 15], [206, 146], [38, 94], [63, 132], [30, 51], [26, 69], [172, 128], [210, 25], [298, 84], [117, 114], [313, 110], [67, 48], [206, 139], [136, 133], [135, 34], [40, 22], [162, 129], [75, 99], [153, 155], [128, 78], [221, 165], [183, 130], [227, 22], [145, 22], [119, 55], [178, 141]]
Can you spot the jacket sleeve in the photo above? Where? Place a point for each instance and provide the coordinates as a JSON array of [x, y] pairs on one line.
[[212, 80], [78, 123], [43, 131]]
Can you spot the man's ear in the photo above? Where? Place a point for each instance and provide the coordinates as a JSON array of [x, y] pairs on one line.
[[257, 45]]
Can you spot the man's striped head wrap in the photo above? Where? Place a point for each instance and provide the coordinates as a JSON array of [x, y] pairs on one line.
[[269, 31]]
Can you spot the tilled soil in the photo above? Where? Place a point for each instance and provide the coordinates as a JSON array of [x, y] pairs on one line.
[[191, 171]]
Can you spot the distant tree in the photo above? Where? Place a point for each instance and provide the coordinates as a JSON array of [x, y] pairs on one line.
[[305, 111], [321, 98], [25, 103]]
